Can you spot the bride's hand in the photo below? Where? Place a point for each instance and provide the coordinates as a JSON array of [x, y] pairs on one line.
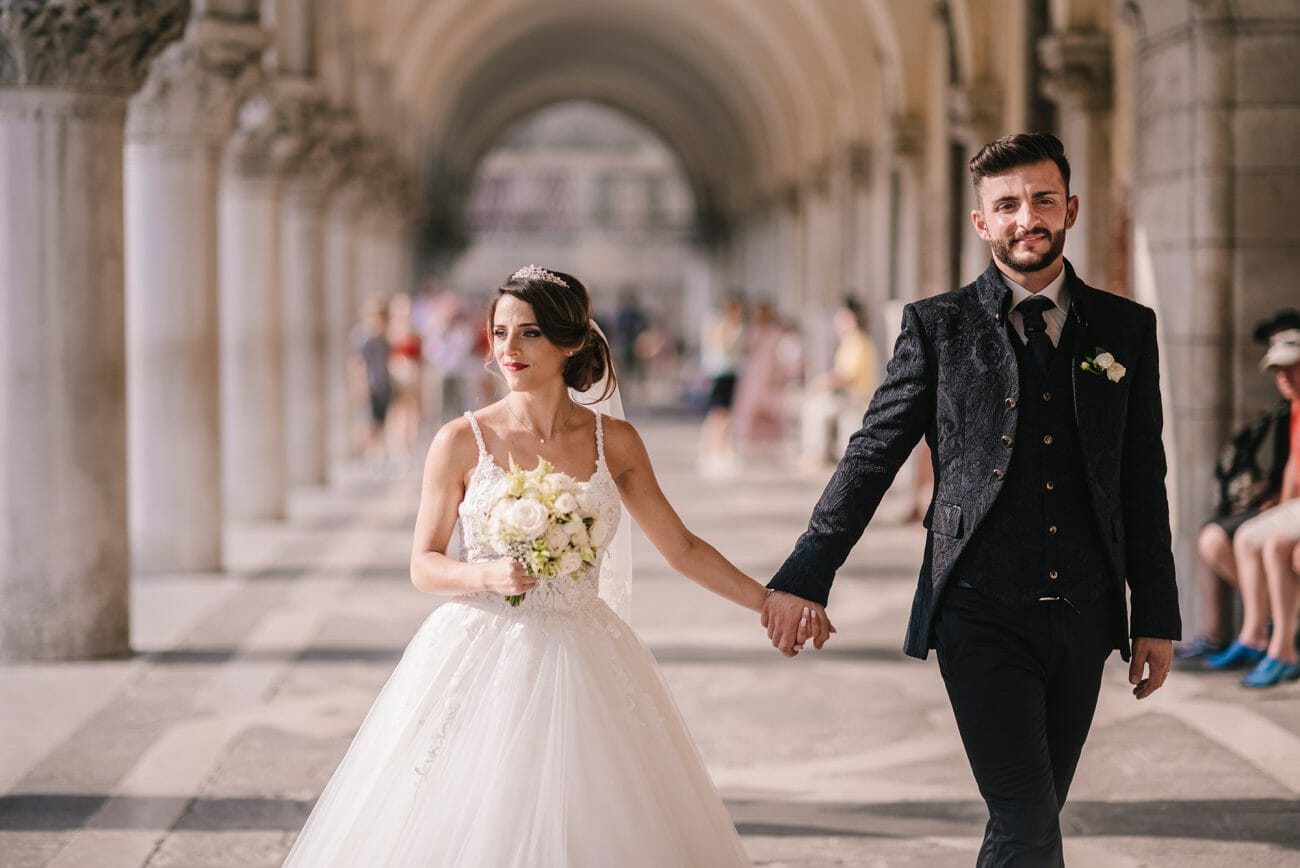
[[507, 577]]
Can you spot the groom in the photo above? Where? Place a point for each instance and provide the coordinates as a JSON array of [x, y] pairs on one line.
[[1039, 398]]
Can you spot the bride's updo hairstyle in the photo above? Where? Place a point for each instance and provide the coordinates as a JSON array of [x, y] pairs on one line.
[[563, 310]]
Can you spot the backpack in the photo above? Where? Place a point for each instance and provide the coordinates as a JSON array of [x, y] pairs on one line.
[[1243, 484]]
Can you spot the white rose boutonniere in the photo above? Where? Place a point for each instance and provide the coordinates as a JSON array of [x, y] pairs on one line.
[[1103, 363]]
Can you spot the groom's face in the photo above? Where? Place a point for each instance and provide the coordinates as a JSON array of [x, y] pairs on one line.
[[1024, 214]]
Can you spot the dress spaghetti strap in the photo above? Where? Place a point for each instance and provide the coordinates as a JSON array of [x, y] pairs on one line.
[[478, 435], [600, 443]]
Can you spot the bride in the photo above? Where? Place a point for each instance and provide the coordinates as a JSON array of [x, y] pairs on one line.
[[542, 735]]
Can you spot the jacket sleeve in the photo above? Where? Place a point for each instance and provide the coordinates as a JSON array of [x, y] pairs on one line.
[[1148, 553], [899, 414]]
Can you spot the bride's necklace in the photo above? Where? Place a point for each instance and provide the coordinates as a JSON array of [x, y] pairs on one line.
[[540, 438]]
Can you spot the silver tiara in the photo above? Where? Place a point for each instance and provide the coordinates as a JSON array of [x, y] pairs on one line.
[[536, 272]]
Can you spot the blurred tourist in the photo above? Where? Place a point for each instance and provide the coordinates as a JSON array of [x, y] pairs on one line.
[[1265, 547], [370, 375], [721, 349], [838, 399], [629, 323], [761, 385], [1249, 473], [406, 368]]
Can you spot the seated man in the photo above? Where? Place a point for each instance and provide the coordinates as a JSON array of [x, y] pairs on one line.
[[1265, 546], [1245, 488]]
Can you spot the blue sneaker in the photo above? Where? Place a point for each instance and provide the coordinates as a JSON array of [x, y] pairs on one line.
[[1271, 671], [1198, 649], [1235, 656]]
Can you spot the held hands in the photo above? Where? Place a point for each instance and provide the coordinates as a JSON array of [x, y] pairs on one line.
[[507, 577], [1155, 655], [791, 621]]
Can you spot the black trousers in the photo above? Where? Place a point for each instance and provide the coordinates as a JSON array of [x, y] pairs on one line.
[[1023, 684]]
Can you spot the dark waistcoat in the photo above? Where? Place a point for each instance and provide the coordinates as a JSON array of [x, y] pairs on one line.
[[1040, 537]]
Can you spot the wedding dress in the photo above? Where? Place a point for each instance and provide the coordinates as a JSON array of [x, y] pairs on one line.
[[540, 736]]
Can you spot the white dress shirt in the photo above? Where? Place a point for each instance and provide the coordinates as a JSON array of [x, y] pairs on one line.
[[1056, 292]]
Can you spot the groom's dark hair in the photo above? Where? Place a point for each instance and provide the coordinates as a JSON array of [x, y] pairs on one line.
[[1022, 149]]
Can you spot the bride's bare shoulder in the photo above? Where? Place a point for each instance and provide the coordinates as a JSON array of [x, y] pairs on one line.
[[454, 443], [623, 445]]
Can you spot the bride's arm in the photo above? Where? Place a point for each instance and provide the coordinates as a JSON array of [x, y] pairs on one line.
[[686, 553], [432, 571]]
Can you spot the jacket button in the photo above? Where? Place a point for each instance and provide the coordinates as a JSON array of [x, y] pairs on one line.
[[1047, 438], [1006, 440], [1051, 528], [1047, 396], [1050, 486], [1053, 575], [999, 473], [1011, 403]]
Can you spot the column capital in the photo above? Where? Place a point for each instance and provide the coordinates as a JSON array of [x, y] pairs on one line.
[[85, 45], [196, 84], [858, 159], [332, 147], [275, 127], [909, 136], [976, 113], [1078, 67]]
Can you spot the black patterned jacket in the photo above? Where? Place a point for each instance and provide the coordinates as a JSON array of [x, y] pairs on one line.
[[953, 379]]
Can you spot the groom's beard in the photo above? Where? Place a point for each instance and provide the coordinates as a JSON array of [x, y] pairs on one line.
[[1025, 263]]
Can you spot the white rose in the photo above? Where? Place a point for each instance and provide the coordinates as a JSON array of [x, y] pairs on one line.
[[577, 533], [500, 531], [1104, 360], [555, 484], [565, 503], [600, 532], [586, 503], [570, 562], [500, 490], [530, 518], [1115, 372], [556, 539]]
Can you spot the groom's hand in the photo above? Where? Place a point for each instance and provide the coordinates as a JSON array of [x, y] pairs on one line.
[[1154, 655], [791, 621]]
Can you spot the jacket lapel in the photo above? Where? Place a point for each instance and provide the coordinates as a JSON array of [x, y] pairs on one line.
[[993, 348], [1096, 406]]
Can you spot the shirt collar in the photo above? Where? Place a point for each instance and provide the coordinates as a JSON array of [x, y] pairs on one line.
[[1057, 292]]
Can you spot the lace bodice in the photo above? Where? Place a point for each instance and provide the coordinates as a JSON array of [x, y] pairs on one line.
[[563, 593]]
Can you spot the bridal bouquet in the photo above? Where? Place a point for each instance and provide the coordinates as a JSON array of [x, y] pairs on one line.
[[542, 518]]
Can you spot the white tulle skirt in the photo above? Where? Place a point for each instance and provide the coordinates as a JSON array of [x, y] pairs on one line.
[[518, 737]]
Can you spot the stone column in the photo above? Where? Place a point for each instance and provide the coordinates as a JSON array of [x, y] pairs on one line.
[[302, 275], [1078, 65], [1215, 247], [66, 71], [908, 175], [251, 317], [342, 305], [976, 120], [176, 128]]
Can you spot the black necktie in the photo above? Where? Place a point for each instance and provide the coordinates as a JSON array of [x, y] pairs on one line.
[[1040, 345]]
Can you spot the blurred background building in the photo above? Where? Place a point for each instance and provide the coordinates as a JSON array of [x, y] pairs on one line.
[[590, 191], [197, 200]]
